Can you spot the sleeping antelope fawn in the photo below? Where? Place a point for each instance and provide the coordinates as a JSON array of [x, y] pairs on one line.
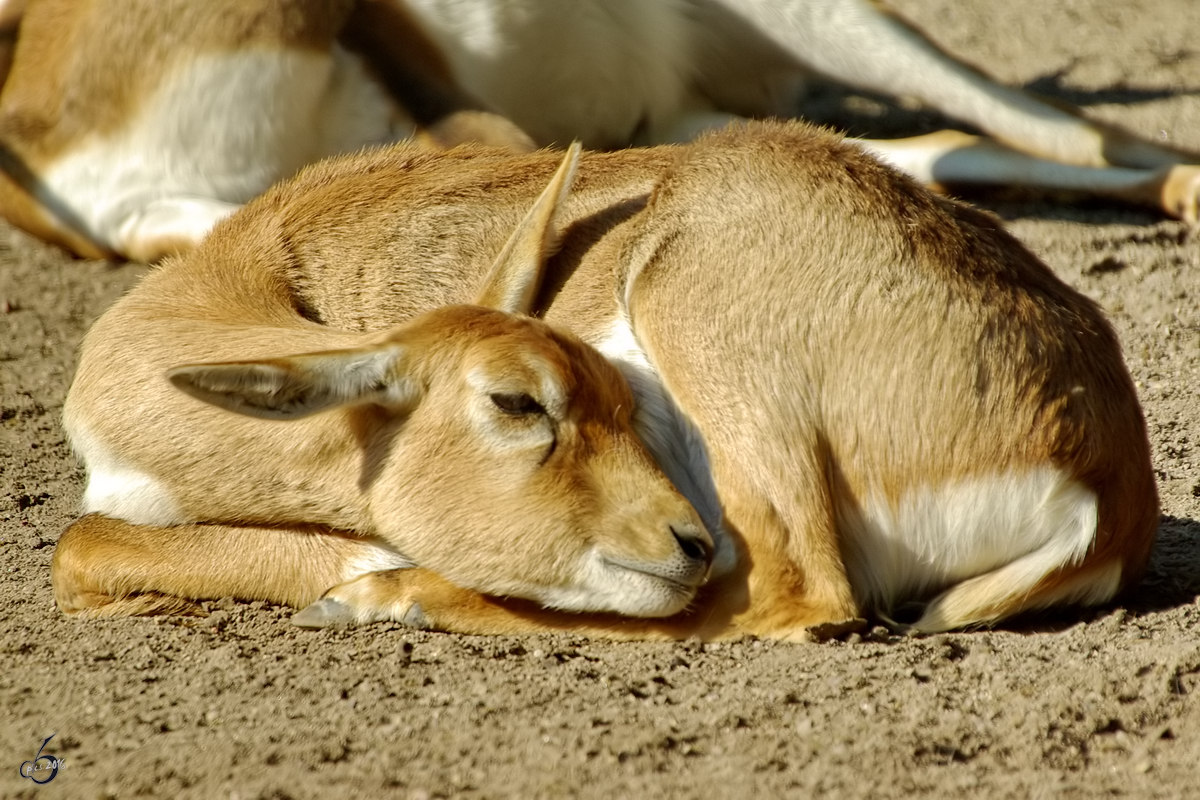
[[128, 127], [869, 395]]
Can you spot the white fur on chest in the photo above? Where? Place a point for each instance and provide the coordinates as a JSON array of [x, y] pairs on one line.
[[376, 556], [673, 441]]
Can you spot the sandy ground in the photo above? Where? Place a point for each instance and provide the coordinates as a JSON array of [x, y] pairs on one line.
[[240, 704]]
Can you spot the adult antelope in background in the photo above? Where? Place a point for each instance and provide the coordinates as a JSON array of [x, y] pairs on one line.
[[614, 72], [130, 126], [868, 394]]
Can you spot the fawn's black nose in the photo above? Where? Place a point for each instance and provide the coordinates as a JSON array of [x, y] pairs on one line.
[[694, 544]]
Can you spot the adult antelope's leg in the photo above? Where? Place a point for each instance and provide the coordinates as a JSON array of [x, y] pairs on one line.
[[169, 226], [108, 567], [954, 159], [858, 43], [416, 74]]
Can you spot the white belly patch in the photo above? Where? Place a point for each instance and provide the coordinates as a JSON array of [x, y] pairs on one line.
[[119, 490], [935, 537]]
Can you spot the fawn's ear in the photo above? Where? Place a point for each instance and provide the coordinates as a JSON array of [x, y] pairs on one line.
[[299, 386], [513, 282]]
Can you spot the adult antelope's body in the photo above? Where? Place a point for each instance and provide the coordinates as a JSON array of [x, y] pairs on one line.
[[612, 72], [131, 126], [868, 394]]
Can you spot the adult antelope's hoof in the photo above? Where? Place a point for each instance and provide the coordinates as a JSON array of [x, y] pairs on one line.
[[1181, 193]]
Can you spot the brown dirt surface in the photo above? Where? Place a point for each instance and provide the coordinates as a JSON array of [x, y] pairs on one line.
[[240, 704]]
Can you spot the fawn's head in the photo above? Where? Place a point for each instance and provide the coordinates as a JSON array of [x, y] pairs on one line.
[[497, 451]]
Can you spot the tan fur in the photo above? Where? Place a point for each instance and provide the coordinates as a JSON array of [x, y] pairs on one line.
[[833, 332], [83, 69], [81, 66], [100, 565]]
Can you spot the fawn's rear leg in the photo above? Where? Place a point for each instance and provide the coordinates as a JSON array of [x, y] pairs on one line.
[[1118, 520], [987, 599], [106, 567]]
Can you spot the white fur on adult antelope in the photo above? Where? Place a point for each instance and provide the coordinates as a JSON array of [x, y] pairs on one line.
[[129, 127], [869, 394]]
